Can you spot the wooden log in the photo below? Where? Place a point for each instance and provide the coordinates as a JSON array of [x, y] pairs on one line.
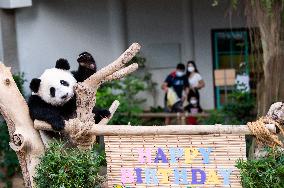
[[173, 115], [111, 130], [24, 139]]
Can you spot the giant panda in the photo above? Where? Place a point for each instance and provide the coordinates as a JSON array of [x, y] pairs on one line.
[[53, 99]]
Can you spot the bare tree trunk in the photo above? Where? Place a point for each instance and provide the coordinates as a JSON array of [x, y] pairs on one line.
[[269, 23], [270, 88], [273, 86], [24, 139]]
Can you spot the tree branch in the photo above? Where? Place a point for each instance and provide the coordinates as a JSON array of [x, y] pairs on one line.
[[24, 139], [121, 73], [86, 91], [112, 110], [112, 130], [96, 78]]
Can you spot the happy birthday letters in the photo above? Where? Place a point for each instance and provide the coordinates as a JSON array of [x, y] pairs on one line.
[[152, 172]]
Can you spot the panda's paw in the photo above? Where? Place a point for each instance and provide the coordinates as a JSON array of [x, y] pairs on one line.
[[105, 113], [58, 125], [100, 114], [86, 60]]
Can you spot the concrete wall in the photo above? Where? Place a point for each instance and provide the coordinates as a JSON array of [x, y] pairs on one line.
[[52, 29], [152, 23], [8, 40]]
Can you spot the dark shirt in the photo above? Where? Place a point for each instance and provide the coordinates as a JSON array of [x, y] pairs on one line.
[[177, 83]]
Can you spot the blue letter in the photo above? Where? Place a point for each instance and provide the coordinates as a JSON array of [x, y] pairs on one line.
[[225, 173], [205, 152], [151, 176], [161, 156], [179, 176], [175, 154], [138, 175], [194, 176]]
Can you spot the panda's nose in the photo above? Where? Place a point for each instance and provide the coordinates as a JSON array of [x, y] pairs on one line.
[[64, 96]]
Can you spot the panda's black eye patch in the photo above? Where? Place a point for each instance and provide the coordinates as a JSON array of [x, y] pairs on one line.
[[52, 92], [63, 82]]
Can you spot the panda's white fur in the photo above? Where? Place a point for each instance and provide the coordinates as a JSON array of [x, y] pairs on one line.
[[52, 78], [53, 100]]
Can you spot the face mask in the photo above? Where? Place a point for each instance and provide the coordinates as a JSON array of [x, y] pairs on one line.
[[190, 69], [193, 101], [179, 74]]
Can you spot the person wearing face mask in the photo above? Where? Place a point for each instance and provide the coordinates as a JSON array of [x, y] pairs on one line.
[[178, 82], [195, 80], [193, 108]]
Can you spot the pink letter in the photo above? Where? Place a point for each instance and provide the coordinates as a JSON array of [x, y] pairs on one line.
[[142, 155], [127, 175]]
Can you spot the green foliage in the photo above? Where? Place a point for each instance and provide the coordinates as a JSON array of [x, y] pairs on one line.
[[215, 117], [265, 172], [124, 91], [20, 80], [238, 111], [69, 168], [8, 159], [100, 152]]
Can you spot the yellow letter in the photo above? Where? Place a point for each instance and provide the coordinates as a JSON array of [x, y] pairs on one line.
[[212, 178], [165, 175], [190, 154]]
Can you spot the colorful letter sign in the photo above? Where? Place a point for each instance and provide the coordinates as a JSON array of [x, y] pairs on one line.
[[182, 161]]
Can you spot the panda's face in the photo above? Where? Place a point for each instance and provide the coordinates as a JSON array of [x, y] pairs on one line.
[[56, 86]]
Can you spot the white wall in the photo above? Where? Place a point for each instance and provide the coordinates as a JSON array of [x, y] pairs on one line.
[[155, 22], [63, 28], [205, 18], [52, 29]]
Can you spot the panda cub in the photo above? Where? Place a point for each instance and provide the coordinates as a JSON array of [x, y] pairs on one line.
[[53, 99]]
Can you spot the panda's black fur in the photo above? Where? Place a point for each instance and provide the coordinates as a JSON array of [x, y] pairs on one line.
[[56, 114], [87, 70]]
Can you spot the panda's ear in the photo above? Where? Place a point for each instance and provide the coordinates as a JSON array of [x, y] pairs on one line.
[[62, 64], [34, 85]]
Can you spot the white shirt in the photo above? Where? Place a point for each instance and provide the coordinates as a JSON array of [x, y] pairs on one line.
[[194, 80]]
